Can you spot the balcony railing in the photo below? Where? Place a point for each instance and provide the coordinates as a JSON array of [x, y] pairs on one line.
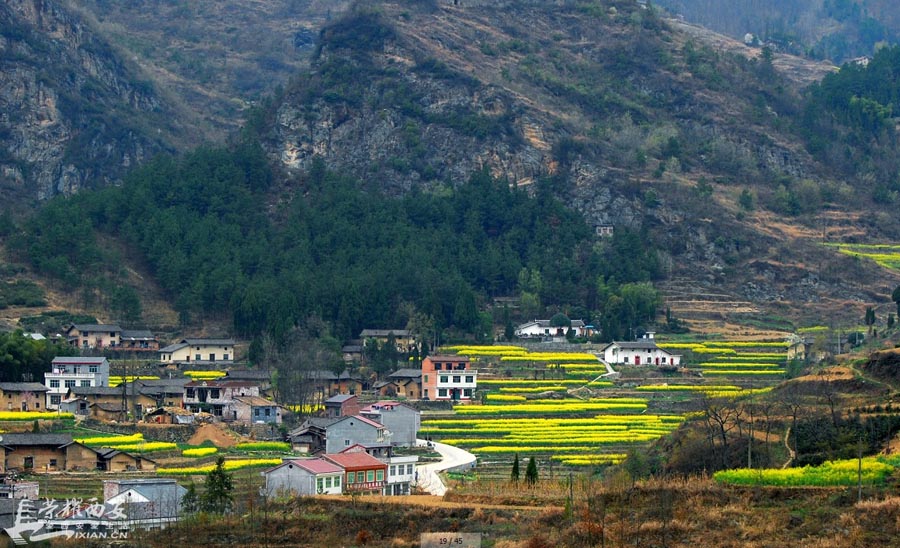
[[365, 486]]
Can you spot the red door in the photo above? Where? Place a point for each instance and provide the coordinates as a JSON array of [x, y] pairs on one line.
[[637, 360]]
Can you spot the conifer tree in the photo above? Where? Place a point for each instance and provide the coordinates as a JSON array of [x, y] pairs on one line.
[[515, 470], [531, 473], [219, 487]]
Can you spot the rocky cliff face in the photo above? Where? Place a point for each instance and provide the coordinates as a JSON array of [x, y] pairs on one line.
[[618, 111], [74, 115]]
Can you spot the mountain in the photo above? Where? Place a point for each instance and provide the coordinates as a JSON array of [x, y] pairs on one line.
[[638, 125], [92, 89], [427, 127]]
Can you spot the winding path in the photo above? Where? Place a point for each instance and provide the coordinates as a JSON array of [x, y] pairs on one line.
[[452, 458]]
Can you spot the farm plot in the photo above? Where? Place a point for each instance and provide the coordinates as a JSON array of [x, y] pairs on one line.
[[870, 471], [742, 359]]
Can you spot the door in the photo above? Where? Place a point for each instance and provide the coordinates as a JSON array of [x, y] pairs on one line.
[[637, 360]]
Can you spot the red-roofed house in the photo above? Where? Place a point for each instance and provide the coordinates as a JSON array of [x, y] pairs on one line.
[[297, 477], [362, 472]]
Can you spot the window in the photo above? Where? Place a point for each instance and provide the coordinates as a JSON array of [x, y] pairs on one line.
[[337, 481], [92, 369], [346, 443], [189, 393], [54, 383], [393, 471], [370, 476], [442, 392], [225, 357], [456, 378], [214, 393], [351, 477], [445, 378], [467, 392], [212, 357], [70, 383], [438, 366], [319, 485], [328, 482], [197, 357], [85, 383], [53, 463], [379, 475], [409, 469], [268, 412], [470, 379], [256, 412], [426, 378], [54, 399], [37, 405]]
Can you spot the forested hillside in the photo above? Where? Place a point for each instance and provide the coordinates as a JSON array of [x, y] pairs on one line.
[[435, 157], [838, 30]]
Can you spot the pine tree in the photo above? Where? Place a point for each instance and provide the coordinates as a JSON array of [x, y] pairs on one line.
[[531, 473], [219, 487], [190, 504], [515, 470]]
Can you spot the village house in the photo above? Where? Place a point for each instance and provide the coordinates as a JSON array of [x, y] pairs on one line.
[[403, 421], [68, 372], [215, 397], [309, 437], [404, 340], [108, 412], [23, 396], [137, 341], [218, 351], [349, 383], [342, 405], [386, 389], [540, 329], [346, 431], [401, 469], [352, 353], [94, 336], [262, 378], [14, 489], [162, 392], [408, 383], [111, 400], [253, 410], [641, 352], [45, 453], [363, 473], [114, 460], [448, 378], [304, 477], [149, 503]]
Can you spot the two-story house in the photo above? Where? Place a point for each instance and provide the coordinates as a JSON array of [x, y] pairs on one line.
[[23, 396], [407, 383], [363, 473], [401, 469], [448, 378], [93, 335], [69, 372], [401, 420], [198, 350], [346, 431], [217, 397]]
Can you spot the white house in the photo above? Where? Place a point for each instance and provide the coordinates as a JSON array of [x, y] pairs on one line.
[[198, 350], [304, 477], [542, 328], [71, 372], [640, 352]]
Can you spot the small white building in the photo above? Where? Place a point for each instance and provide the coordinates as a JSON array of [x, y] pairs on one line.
[[71, 372], [539, 329], [297, 477], [198, 351], [641, 352], [401, 474]]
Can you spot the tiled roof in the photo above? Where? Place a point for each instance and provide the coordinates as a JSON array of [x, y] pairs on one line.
[[405, 373], [77, 360], [18, 440], [383, 333], [22, 387], [209, 342], [355, 461], [340, 398], [317, 466], [89, 328]]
